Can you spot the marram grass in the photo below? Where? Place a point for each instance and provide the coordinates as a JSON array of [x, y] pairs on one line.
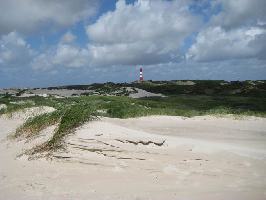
[[71, 113]]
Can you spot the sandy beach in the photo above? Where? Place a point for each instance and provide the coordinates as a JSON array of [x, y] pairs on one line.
[[132, 100], [156, 157]]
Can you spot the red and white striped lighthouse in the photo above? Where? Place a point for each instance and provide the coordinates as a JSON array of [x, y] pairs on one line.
[[140, 75]]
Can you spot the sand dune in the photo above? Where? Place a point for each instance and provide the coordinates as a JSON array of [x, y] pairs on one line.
[[158, 157]]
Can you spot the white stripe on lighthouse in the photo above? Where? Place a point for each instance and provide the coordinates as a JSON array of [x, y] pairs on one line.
[[140, 74]]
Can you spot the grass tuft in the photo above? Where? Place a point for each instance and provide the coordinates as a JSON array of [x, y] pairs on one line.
[[34, 125], [72, 118]]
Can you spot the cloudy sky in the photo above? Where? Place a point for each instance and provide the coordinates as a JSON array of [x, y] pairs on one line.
[[57, 42]]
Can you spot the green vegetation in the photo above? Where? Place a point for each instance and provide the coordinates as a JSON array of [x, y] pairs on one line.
[[71, 118], [34, 125], [74, 111], [205, 87], [13, 107]]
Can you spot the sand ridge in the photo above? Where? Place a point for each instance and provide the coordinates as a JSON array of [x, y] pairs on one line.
[[157, 157]]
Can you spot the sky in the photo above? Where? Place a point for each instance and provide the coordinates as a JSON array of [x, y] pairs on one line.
[[61, 42]]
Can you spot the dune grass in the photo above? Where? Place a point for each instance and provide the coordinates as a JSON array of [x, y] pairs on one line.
[[72, 112], [14, 106], [67, 118], [34, 125], [71, 118]]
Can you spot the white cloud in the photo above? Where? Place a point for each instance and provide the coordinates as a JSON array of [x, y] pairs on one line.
[[147, 32], [236, 32], [70, 56], [64, 55], [260, 45], [28, 15], [151, 32], [144, 33], [215, 43], [240, 12], [14, 51], [68, 37], [42, 62]]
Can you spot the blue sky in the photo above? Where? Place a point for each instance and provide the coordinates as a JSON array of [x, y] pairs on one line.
[[46, 42]]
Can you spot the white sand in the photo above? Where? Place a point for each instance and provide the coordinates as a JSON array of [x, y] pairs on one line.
[[143, 93], [3, 106], [202, 158], [25, 114]]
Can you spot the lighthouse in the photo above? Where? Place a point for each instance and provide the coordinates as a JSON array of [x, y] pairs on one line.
[[140, 75]]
